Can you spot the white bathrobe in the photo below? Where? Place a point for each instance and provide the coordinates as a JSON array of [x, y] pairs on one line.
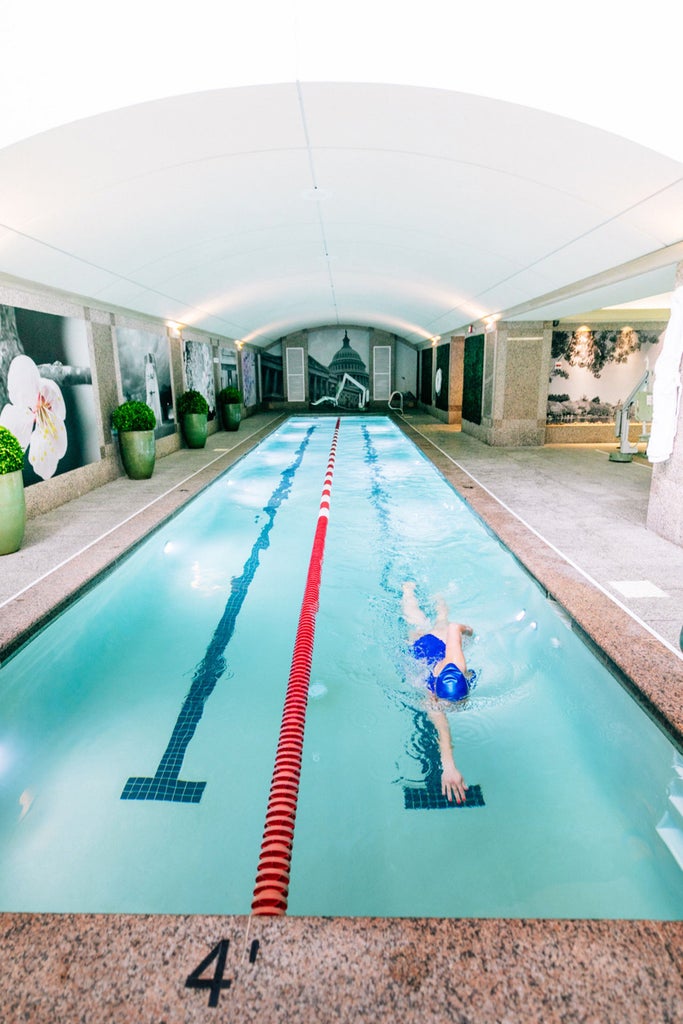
[[666, 391]]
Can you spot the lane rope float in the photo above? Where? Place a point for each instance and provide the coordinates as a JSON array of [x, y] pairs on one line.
[[272, 875]]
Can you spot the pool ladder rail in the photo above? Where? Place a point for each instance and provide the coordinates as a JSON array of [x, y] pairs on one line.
[[396, 395], [670, 828], [638, 403]]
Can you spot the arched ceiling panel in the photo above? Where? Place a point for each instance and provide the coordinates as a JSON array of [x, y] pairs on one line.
[[510, 215], [460, 128], [661, 215], [124, 224], [258, 210], [601, 64]]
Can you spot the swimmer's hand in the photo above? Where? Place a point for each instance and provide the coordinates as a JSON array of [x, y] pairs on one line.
[[453, 786]]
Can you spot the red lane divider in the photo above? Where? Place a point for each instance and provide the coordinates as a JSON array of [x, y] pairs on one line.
[[272, 875]]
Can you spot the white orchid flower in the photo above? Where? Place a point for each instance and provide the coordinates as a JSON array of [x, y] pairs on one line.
[[35, 415]]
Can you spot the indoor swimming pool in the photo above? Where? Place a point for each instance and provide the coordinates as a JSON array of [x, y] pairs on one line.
[[138, 729]]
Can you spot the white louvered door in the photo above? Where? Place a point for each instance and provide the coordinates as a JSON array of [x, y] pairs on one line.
[[381, 380], [296, 384]]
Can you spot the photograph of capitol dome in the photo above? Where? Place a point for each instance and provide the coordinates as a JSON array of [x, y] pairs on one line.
[[332, 353], [324, 380]]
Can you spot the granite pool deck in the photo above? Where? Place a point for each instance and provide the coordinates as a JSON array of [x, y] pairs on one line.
[[577, 523]]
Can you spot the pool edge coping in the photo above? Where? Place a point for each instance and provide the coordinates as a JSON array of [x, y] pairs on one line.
[[116, 969]]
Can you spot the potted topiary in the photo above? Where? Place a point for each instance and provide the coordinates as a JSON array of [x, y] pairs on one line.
[[230, 403], [134, 422], [193, 411], [12, 500]]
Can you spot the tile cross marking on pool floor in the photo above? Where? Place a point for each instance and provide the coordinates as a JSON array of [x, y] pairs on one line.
[[165, 784]]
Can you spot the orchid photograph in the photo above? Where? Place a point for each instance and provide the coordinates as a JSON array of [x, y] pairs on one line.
[[35, 414], [46, 392]]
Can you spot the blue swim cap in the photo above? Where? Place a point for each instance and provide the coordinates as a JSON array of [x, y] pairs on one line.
[[451, 683]]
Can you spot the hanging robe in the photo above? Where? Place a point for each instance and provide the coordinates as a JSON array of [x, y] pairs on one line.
[[666, 390]]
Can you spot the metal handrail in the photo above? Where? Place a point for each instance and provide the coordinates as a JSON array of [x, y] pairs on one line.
[[399, 395]]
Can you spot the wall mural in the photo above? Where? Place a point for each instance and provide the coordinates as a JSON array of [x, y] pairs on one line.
[[473, 378], [198, 359], [46, 391], [249, 377], [442, 377], [272, 374], [144, 362], [592, 371], [426, 364], [332, 352], [331, 355], [228, 365]]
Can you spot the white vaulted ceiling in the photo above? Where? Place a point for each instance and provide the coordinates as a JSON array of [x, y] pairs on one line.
[[251, 210]]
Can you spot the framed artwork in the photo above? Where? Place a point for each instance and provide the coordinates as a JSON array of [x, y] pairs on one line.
[[46, 391]]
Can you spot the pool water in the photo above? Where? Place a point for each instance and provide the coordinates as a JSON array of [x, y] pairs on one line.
[[138, 730]]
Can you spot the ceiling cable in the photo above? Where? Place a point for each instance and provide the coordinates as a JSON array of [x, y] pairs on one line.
[[314, 182]]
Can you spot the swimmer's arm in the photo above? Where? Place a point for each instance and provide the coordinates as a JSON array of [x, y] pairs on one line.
[[452, 783]]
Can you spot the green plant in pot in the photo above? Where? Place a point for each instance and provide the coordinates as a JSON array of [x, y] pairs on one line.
[[12, 499], [134, 422], [230, 404], [193, 411]]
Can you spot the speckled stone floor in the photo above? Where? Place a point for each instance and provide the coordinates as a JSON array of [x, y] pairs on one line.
[[134, 970], [579, 532]]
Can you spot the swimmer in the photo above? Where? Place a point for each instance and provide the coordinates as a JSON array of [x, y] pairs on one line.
[[439, 644]]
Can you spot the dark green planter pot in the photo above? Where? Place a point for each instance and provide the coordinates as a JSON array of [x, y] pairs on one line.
[[138, 453], [195, 429], [231, 414], [12, 512]]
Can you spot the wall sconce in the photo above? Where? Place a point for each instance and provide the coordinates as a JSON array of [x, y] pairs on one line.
[[238, 345], [174, 329], [435, 340]]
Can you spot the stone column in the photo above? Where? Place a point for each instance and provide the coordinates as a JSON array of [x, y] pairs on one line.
[[457, 344], [104, 366], [514, 385], [175, 345], [665, 507], [447, 380]]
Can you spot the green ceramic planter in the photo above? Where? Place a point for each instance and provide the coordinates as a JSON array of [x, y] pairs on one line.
[[231, 414], [138, 453], [195, 429], [12, 512]]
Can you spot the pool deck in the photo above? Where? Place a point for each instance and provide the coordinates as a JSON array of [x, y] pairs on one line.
[[577, 522]]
